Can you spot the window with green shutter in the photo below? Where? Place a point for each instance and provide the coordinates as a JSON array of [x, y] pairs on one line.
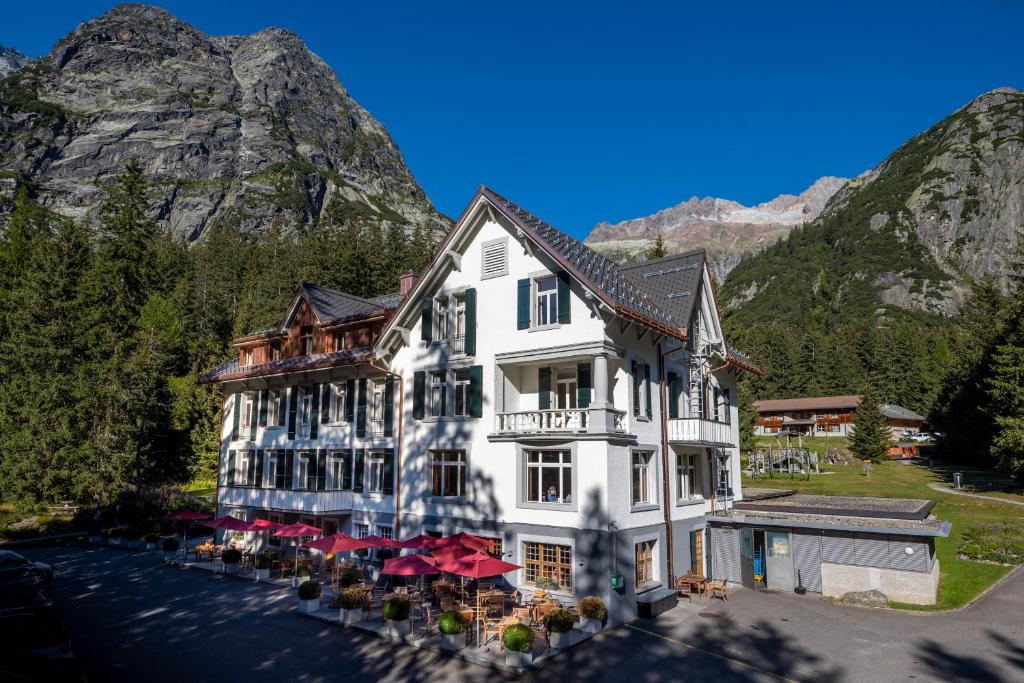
[[673, 395], [264, 406], [647, 389], [325, 403], [292, 400], [584, 385], [389, 407], [476, 398], [388, 480], [237, 416], [469, 346], [563, 298], [427, 319], [231, 467], [544, 388], [314, 412], [419, 394], [634, 372], [523, 303], [358, 466], [361, 410]]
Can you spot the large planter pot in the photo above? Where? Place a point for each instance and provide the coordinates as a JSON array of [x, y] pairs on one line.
[[114, 540], [150, 546], [262, 574], [559, 641], [590, 625], [351, 616], [518, 660], [169, 556], [230, 568], [453, 641], [309, 606], [136, 545], [400, 628]]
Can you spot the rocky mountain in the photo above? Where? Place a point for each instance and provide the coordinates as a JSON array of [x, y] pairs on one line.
[[727, 229], [249, 130], [11, 60], [942, 211]]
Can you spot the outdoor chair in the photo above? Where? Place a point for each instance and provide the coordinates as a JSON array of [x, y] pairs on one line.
[[485, 586], [719, 589], [427, 617], [492, 627], [522, 614]]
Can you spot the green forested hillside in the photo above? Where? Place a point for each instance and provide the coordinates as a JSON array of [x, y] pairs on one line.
[[104, 332]]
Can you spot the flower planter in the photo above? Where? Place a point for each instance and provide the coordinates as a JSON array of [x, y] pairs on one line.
[[400, 628], [262, 574], [309, 606], [451, 642], [230, 568], [150, 546], [351, 616], [169, 556], [590, 625], [518, 660], [560, 641]]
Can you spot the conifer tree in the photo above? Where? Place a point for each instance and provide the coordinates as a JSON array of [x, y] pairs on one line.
[[871, 435], [658, 249]]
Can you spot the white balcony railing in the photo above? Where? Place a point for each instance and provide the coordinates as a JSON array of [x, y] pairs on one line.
[[554, 421], [700, 431], [316, 502]]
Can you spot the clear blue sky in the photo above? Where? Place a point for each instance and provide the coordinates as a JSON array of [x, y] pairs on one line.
[[592, 111]]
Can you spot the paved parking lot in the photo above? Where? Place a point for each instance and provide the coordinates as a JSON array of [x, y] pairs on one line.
[[134, 619]]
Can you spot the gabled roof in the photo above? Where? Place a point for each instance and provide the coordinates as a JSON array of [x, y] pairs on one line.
[[816, 403], [234, 369], [672, 282], [895, 412], [330, 305]]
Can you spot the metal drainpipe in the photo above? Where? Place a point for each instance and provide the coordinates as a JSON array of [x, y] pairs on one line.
[[666, 489], [400, 418]]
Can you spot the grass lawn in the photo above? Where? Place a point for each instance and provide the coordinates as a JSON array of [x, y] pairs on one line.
[[961, 580], [201, 487], [818, 444]]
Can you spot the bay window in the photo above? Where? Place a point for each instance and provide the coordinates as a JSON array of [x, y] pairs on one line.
[[549, 477]]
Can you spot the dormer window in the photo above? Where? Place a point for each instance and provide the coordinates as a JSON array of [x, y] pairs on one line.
[[306, 340], [275, 351], [247, 357], [339, 341]]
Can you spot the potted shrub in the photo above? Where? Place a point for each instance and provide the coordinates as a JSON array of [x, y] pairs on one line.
[[261, 567], [592, 613], [151, 539], [559, 622], [114, 536], [350, 603], [396, 613], [170, 547], [231, 558], [518, 641], [309, 596], [452, 625]]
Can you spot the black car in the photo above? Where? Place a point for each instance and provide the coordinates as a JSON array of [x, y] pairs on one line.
[[21, 577], [35, 644]]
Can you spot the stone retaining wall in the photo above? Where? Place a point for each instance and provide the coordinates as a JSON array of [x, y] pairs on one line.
[[916, 588]]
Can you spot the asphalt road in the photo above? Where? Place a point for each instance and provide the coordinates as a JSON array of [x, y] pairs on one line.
[[133, 619]]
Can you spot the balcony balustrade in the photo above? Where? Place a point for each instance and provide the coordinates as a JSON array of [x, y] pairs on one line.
[[556, 421], [700, 431]]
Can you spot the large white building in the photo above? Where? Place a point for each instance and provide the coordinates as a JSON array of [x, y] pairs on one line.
[[580, 414]]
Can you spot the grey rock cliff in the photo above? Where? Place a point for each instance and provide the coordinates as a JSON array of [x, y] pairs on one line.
[[11, 60], [250, 130]]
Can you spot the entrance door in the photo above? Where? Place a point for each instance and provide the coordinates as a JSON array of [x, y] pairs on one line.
[[697, 552], [747, 557], [779, 561]]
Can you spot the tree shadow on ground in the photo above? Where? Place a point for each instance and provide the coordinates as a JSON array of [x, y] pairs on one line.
[[942, 663]]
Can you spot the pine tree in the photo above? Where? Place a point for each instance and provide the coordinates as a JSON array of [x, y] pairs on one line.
[[748, 418], [1005, 392], [871, 435], [657, 250]]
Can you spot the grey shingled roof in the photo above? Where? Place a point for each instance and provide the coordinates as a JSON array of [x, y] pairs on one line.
[[673, 282], [895, 412], [330, 304], [599, 272], [233, 369]]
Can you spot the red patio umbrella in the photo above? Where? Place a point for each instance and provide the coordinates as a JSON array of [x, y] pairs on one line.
[[477, 566], [410, 565], [185, 516], [373, 541], [337, 543], [228, 523], [421, 542], [260, 524], [461, 539], [297, 530]]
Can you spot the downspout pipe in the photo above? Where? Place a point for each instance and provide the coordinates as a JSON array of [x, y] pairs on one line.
[[666, 487], [399, 416]]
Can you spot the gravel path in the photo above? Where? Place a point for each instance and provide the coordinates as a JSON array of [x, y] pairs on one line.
[[955, 492]]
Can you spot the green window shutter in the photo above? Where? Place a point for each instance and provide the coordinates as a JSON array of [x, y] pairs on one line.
[[584, 385], [647, 388], [346, 470], [523, 304], [476, 394], [264, 405], [419, 394], [252, 425], [279, 478], [388, 485], [564, 300], [544, 388], [427, 319], [321, 470], [292, 400], [314, 411], [259, 468], [361, 410], [726, 407], [470, 341], [389, 407], [231, 466], [289, 471], [325, 403], [350, 400], [282, 406], [357, 470], [673, 395], [250, 471], [237, 414], [635, 372]]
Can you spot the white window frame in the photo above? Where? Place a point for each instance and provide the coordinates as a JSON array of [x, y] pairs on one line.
[[442, 318], [306, 342], [460, 465], [458, 331], [376, 408], [338, 398], [461, 392], [245, 456], [550, 297], [561, 377], [301, 475], [247, 355], [270, 481], [386, 531], [273, 407], [643, 469], [687, 477], [567, 469], [375, 471], [361, 530], [438, 400], [655, 562], [305, 413]]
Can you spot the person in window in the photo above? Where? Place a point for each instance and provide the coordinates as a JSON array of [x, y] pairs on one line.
[[552, 496]]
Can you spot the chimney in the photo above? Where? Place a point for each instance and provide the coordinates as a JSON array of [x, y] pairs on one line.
[[408, 281]]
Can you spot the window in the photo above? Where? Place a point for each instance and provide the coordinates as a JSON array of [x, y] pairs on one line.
[[686, 476], [441, 319], [547, 302], [565, 388], [726, 407], [448, 469], [376, 407], [305, 412], [643, 470], [271, 480], [247, 357], [493, 547], [341, 471], [462, 392], [716, 404], [723, 486], [459, 327], [242, 468], [438, 393], [306, 340], [495, 258], [338, 403], [549, 477], [547, 562], [275, 351], [645, 562], [385, 531], [303, 473], [274, 407], [641, 388], [362, 530], [376, 460], [339, 341]]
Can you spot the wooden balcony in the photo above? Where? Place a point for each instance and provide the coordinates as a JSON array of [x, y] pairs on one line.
[[692, 430], [317, 502]]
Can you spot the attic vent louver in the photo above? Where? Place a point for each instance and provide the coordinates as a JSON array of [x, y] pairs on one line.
[[495, 259]]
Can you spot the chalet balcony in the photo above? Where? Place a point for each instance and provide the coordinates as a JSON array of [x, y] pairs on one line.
[[317, 502], [560, 421], [698, 431]]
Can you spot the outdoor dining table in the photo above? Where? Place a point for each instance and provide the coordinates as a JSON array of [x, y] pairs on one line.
[[207, 549], [693, 583]]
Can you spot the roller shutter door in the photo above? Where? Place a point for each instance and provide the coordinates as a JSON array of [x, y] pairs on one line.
[[918, 561], [726, 554], [872, 551], [807, 560], [838, 548]]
